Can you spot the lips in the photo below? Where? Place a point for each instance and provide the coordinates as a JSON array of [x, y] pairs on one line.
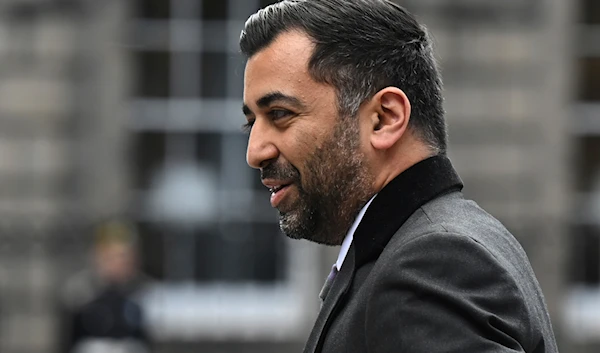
[[278, 196], [278, 190]]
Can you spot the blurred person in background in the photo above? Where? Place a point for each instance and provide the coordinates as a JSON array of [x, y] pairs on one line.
[[100, 308], [343, 101]]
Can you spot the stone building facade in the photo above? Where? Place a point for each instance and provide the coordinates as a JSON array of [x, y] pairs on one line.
[[101, 101]]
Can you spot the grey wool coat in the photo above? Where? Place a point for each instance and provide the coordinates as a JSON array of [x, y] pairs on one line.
[[429, 272]]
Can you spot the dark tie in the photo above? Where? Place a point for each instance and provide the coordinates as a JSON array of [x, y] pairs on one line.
[[328, 283]]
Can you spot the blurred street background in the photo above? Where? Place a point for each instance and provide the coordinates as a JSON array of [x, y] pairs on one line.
[[122, 165]]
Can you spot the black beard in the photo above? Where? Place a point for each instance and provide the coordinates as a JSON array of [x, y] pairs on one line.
[[331, 193]]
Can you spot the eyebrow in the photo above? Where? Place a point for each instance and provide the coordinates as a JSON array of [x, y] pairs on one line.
[[271, 98]]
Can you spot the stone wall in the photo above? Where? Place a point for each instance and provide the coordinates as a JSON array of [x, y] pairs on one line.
[[62, 155]]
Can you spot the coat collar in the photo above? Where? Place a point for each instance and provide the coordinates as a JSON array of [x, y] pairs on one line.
[[398, 200]]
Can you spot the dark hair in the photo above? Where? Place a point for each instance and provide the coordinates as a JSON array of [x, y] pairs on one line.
[[361, 47]]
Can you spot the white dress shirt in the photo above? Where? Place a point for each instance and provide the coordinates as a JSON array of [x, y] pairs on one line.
[[350, 236]]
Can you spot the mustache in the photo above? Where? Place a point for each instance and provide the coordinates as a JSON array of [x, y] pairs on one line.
[[280, 171]]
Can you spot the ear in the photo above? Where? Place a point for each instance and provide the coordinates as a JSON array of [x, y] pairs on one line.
[[391, 114]]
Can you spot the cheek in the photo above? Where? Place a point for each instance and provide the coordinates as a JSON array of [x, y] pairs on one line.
[[364, 146], [366, 126], [303, 145]]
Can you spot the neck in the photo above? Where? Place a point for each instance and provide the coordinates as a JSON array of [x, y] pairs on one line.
[[397, 160]]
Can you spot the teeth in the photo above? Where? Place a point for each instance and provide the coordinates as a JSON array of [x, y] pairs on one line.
[[275, 189]]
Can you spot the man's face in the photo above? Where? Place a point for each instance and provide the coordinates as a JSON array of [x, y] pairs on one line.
[[115, 262], [309, 157]]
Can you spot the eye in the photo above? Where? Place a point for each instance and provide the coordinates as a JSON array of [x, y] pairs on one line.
[[276, 114]]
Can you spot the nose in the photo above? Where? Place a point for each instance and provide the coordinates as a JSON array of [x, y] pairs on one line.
[[261, 147]]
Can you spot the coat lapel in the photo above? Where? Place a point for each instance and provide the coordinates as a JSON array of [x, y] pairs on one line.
[[332, 303]]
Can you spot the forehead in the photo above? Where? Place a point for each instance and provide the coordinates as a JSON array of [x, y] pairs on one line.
[[282, 66]]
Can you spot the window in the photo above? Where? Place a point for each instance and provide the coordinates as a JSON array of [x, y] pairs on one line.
[[213, 67], [585, 265], [586, 241], [214, 10], [206, 227], [590, 12], [583, 303], [589, 79], [155, 9], [153, 74]]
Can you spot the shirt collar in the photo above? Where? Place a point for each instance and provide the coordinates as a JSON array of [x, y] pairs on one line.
[[350, 236]]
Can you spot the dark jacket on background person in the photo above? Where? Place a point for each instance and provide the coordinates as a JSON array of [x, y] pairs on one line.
[[94, 313]]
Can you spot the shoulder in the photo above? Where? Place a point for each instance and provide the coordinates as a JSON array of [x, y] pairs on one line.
[[453, 245], [451, 222], [455, 268], [450, 283], [79, 289], [452, 255], [454, 242], [442, 279]]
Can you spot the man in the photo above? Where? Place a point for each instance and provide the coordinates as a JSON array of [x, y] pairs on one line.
[[345, 120], [100, 309]]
